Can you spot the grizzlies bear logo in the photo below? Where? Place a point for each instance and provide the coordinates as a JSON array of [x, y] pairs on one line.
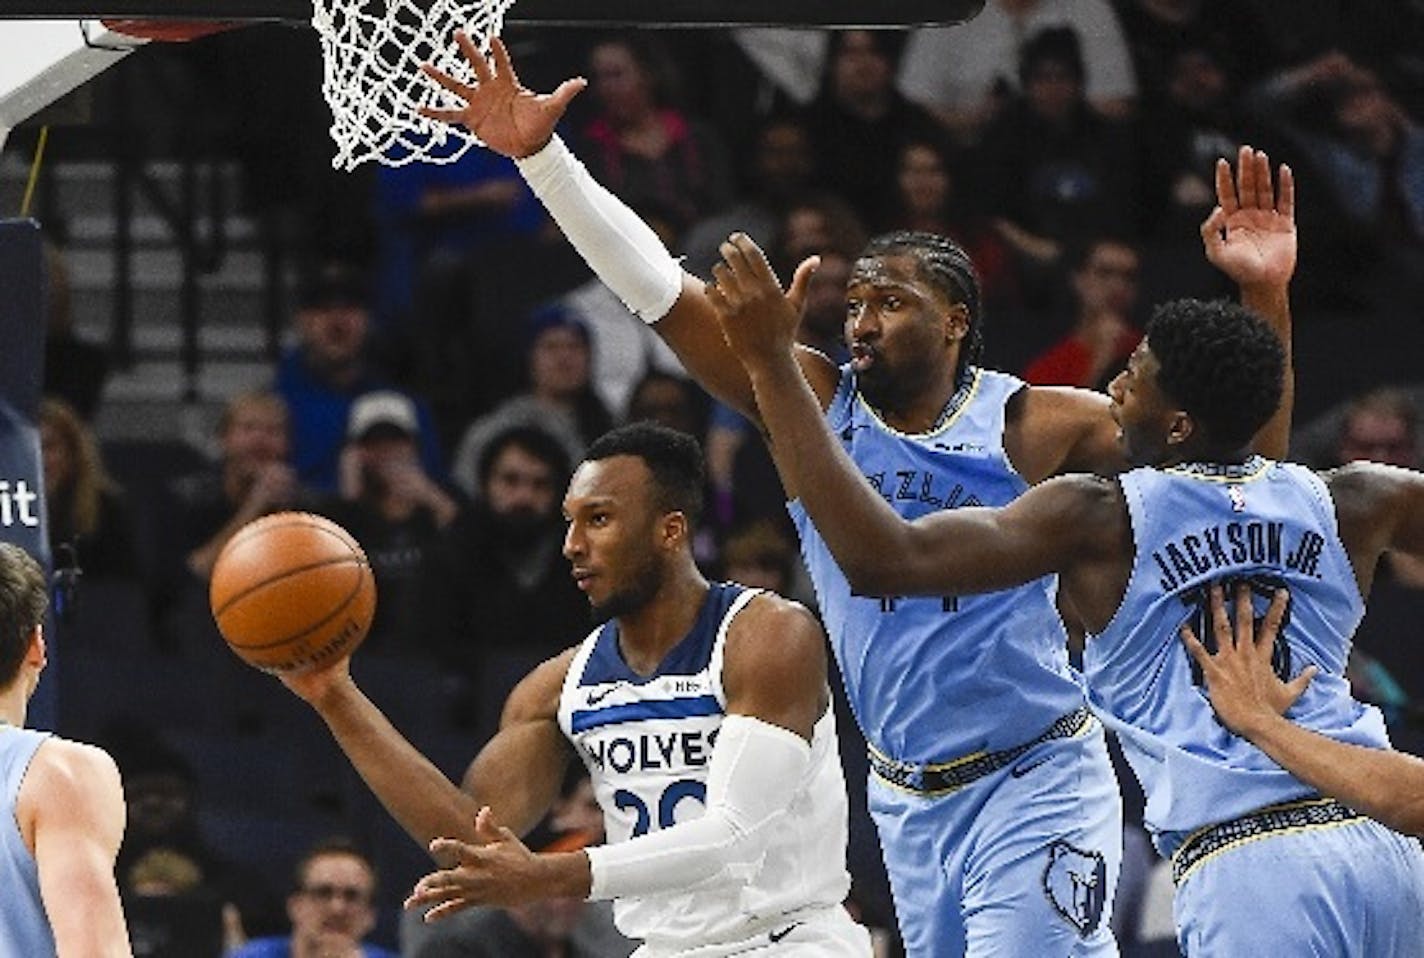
[[1076, 883]]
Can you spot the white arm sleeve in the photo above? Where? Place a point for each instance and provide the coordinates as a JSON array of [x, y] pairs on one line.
[[618, 246], [752, 776]]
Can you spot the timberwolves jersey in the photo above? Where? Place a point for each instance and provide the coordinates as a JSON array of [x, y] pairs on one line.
[[647, 741], [24, 927], [931, 678], [1266, 524]]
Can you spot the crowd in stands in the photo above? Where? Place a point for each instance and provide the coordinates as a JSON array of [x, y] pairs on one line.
[[451, 359]]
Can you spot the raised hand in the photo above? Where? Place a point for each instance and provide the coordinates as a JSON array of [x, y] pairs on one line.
[[1243, 688], [1250, 235], [506, 116], [758, 320]]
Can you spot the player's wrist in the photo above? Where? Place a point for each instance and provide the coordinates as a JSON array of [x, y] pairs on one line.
[[565, 874]]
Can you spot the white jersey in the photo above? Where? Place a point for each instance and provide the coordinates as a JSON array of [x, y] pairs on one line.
[[647, 742]]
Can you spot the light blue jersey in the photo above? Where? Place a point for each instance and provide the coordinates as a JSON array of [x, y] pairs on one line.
[[1267, 523], [998, 812], [934, 678], [24, 926]]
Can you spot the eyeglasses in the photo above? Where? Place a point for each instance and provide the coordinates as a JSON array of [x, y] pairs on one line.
[[346, 894]]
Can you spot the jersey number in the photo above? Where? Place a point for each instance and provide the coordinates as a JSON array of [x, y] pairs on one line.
[[667, 804], [1262, 587]]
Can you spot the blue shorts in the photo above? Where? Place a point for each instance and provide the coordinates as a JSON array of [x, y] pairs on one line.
[[1348, 890], [1021, 862]]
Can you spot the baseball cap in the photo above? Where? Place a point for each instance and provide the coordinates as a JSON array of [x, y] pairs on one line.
[[383, 408], [332, 283]]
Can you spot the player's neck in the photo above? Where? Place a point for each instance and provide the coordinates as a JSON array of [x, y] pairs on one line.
[[648, 634], [13, 703]]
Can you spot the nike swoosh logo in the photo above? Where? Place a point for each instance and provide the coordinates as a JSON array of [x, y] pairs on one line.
[[776, 936], [595, 697], [1019, 771]]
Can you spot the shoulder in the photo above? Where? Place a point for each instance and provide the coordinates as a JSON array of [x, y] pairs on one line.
[[64, 766], [1370, 487], [1051, 429], [537, 694], [772, 633]]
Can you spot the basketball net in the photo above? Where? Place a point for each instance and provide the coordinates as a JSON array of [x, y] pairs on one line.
[[373, 83]]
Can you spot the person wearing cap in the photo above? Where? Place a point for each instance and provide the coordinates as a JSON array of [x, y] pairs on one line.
[[330, 365], [390, 502]]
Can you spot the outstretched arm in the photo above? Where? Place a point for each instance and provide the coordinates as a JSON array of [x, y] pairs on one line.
[[775, 679], [517, 773], [72, 795], [960, 550], [620, 248], [1250, 699]]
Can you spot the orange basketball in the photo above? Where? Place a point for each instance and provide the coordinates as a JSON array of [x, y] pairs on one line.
[[291, 592]]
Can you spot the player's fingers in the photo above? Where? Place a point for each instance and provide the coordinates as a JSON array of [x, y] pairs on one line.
[[727, 281], [478, 63], [1225, 186], [1220, 624], [462, 90], [1297, 686], [452, 849], [1245, 177], [1195, 649], [503, 66], [801, 279], [1265, 194], [1285, 194], [1271, 622], [566, 91], [738, 262], [757, 265], [1245, 615], [714, 295], [443, 115], [446, 909], [487, 830]]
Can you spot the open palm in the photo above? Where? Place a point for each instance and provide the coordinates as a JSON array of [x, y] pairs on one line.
[[1250, 235], [505, 115]]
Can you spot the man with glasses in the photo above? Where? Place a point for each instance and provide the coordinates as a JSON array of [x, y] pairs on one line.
[[330, 909]]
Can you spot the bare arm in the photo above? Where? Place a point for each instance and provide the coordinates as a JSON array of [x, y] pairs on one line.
[[516, 122], [517, 773], [1250, 699], [74, 799], [775, 680]]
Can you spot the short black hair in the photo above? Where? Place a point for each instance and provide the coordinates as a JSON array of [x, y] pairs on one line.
[[1052, 45], [24, 597], [945, 264], [1221, 362], [533, 440], [674, 458]]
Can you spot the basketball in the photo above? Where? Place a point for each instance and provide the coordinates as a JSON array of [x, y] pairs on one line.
[[291, 592]]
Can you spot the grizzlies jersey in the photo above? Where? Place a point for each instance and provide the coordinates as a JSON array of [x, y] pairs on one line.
[[1265, 523], [933, 678], [647, 742], [24, 926]]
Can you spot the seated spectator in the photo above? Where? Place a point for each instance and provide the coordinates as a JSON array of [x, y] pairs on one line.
[[1105, 331], [965, 74], [860, 121], [560, 398], [89, 522], [1158, 32], [321, 376], [512, 600], [760, 555], [398, 513], [1056, 171], [669, 400], [74, 368], [823, 314], [639, 145], [330, 908], [252, 477]]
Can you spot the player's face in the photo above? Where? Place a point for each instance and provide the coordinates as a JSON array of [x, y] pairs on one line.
[[896, 329], [1144, 415], [614, 536]]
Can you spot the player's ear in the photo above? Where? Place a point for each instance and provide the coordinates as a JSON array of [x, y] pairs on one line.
[[956, 322], [675, 529], [1180, 427], [35, 653]]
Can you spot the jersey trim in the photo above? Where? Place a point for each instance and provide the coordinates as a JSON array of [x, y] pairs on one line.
[[641, 711]]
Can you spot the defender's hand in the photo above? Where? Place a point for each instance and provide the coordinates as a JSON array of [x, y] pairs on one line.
[[507, 117], [757, 318], [1250, 235]]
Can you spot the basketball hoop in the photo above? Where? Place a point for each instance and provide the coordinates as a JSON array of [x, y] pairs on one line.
[[373, 83], [168, 31]]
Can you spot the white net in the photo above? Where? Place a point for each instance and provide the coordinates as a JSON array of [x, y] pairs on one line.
[[373, 50]]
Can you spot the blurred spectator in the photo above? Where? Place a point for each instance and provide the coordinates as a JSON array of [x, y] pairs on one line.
[[512, 601], [330, 908], [823, 314], [398, 512], [560, 397], [928, 199], [163, 846], [760, 555], [1057, 170], [780, 166], [88, 518], [1193, 124], [328, 368], [816, 224], [965, 74], [639, 145], [669, 400], [1104, 332], [1226, 31], [859, 121], [74, 368], [252, 477]]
